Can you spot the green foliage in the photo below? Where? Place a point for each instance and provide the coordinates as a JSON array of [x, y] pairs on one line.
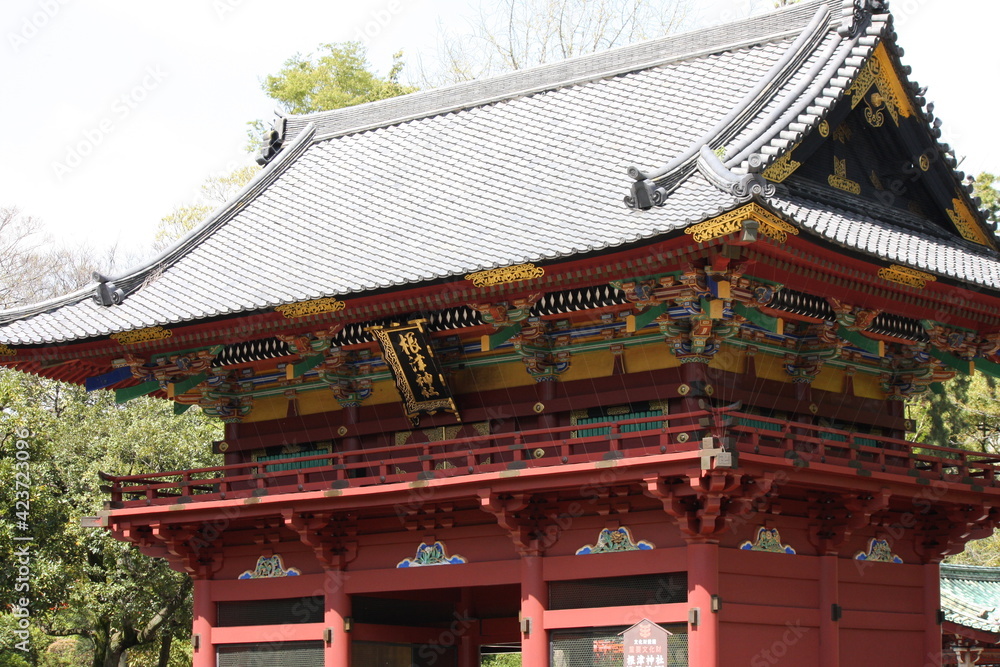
[[985, 187], [502, 660], [85, 584], [967, 416], [338, 76]]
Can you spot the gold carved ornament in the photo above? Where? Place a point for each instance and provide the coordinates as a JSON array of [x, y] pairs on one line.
[[770, 225], [7, 351], [314, 307], [839, 180], [141, 335], [906, 276], [965, 222], [879, 72], [783, 167], [505, 274]]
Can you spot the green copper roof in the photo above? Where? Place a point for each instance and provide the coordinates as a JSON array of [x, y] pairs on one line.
[[970, 596]]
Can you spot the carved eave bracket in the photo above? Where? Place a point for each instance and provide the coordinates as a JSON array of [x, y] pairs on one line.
[[332, 537], [833, 519], [945, 533], [706, 502], [194, 550], [533, 526]]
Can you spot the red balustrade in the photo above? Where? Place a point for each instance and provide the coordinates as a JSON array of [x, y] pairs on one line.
[[803, 443]]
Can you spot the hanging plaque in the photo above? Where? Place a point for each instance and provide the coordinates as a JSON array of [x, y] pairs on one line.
[[645, 643], [408, 353]]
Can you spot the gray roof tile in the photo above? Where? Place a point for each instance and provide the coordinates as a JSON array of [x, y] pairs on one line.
[[525, 167]]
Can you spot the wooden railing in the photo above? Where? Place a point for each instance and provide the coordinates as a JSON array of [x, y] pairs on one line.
[[803, 443]]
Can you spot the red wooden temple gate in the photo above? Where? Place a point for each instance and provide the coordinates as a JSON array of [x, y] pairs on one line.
[[474, 405]]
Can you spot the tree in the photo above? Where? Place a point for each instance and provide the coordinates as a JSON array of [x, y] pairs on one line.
[[215, 191], [984, 186], [337, 76], [84, 583], [518, 34]]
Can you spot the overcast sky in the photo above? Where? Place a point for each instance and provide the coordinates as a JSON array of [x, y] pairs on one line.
[[115, 111]]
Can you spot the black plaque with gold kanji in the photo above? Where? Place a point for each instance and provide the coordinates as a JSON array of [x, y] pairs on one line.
[[408, 353]]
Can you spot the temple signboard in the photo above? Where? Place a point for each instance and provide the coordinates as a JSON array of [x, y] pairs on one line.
[[645, 643], [407, 352]]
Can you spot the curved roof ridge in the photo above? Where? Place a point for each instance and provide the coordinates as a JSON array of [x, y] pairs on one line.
[[766, 27], [829, 78], [137, 275]]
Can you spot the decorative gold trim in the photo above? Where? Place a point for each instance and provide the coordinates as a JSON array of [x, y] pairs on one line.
[[784, 166], [824, 129], [839, 180], [505, 274], [7, 351], [292, 311], [481, 428], [402, 437], [538, 408], [342, 431], [879, 72], [141, 335], [906, 276], [619, 410], [683, 390], [965, 222], [924, 162], [729, 223]]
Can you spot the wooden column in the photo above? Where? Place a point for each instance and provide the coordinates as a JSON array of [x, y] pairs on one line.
[[703, 583], [468, 646], [535, 642], [338, 608], [932, 606], [204, 621], [829, 629]]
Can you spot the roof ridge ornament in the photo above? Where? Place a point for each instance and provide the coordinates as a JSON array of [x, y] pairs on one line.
[[743, 188], [857, 12], [273, 140], [107, 294]]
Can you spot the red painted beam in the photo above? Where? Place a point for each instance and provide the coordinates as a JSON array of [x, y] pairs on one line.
[[606, 616]]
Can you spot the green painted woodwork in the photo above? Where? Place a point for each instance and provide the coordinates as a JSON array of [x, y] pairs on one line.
[[190, 383], [960, 365], [306, 365], [760, 319], [859, 341], [625, 428], [495, 340], [318, 463], [639, 322], [128, 393]]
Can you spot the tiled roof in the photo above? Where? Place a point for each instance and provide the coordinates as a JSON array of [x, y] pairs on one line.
[[970, 596], [526, 167]]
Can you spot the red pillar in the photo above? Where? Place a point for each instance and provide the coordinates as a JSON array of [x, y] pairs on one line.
[[703, 583], [535, 642], [829, 629], [932, 606], [204, 621], [338, 608], [468, 647]]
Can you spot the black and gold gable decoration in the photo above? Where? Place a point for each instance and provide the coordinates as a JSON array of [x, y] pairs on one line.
[[407, 352]]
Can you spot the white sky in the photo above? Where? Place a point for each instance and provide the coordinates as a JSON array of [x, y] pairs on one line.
[[158, 92]]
